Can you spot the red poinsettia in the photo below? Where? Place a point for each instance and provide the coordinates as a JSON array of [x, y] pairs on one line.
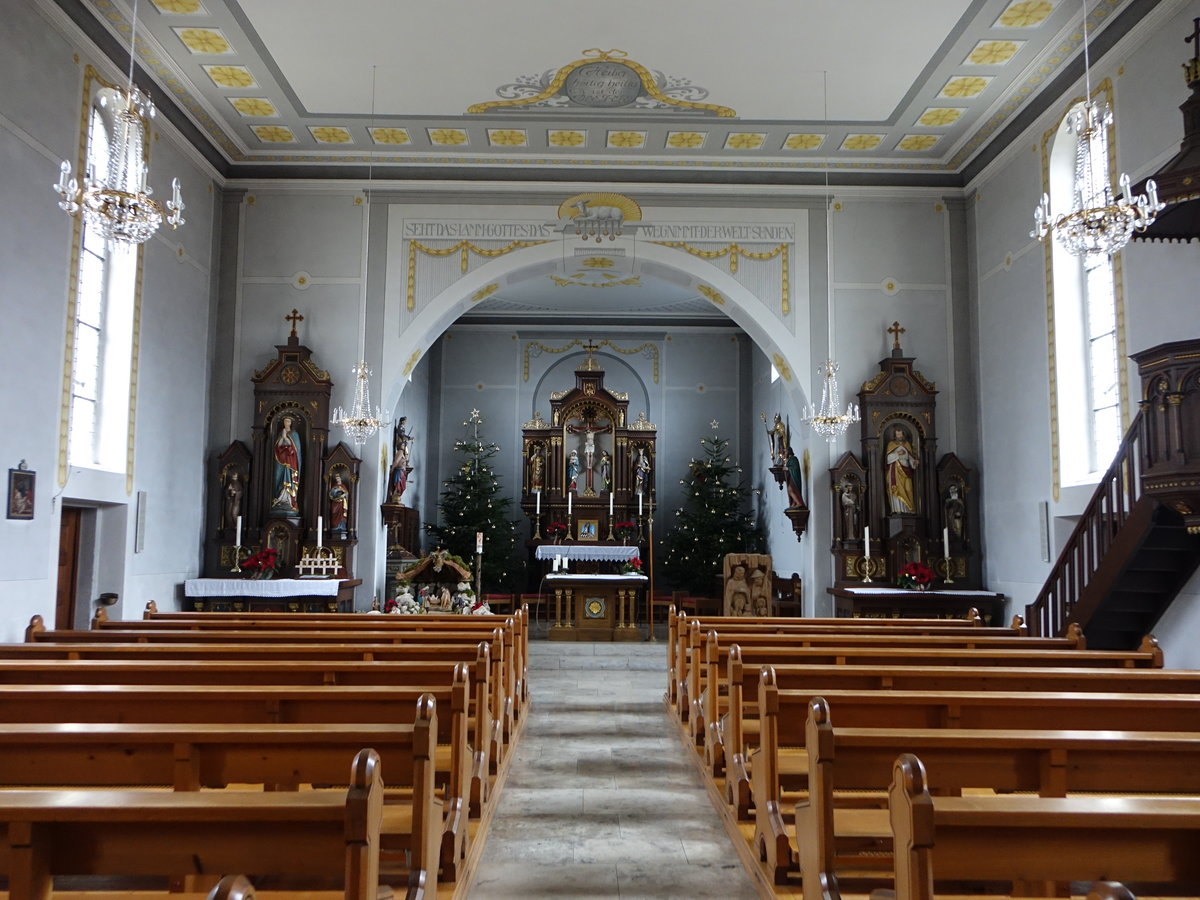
[[556, 529], [632, 566], [625, 530], [263, 561], [914, 575]]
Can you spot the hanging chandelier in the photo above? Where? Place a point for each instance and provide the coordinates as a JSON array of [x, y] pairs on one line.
[[829, 420], [1096, 222], [119, 205], [360, 423]]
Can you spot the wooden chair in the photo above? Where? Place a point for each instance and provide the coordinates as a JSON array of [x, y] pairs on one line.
[[501, 603], [786, 595], [536, 602]]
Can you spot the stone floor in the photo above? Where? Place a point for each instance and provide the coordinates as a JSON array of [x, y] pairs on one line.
[[602, 800]]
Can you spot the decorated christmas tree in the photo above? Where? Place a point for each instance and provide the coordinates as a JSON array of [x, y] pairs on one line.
[[715, 520], [471, 503]]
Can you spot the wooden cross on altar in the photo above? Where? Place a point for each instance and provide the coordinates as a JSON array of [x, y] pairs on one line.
[[294, 318], [896, 331]]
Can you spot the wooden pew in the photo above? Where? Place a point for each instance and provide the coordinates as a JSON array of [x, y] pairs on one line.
[[780, 758], [183, 672], [1148, 840], [1050, 763], [310, 834], [189, 757], [245, 704], [367, 644]]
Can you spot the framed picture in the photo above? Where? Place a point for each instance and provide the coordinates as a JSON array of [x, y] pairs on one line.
[[589, 529], [21, 484]]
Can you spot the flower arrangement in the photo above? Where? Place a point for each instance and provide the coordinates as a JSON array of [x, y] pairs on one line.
[[261, 564], [556, 530], [914, 576], [632, 566], [625, 530]]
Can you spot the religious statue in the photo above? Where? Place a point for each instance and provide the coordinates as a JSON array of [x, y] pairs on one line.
[[605, 472], [777, 438], [398, 480], [589, 432], [794, 480], [760, 593], [641, 472], [339, 504], [737, 593], [288, 455], [233, 498], [573, 470], [956, 513], [849, 510], [537, 465], [900, 465]]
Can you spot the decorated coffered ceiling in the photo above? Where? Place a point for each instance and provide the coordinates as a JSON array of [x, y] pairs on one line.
[[763, 90]]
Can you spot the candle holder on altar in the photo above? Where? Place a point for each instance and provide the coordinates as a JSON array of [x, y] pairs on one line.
[[866, 567], [321, 561], [537, 526], [237, 558], [945, 568]]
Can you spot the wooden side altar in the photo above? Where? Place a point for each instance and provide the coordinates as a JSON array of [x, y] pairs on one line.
[[595, 607], [868, 602]]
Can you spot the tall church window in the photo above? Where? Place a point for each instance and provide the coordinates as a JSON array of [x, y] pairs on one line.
[[102, 323], [1087, 331]]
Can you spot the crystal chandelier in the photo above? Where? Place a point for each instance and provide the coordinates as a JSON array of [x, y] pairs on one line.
[[829, 420], [1096, 223], [359, 422], [119, 205]]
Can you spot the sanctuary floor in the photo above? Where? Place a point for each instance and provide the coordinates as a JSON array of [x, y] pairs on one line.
[[602, 800]]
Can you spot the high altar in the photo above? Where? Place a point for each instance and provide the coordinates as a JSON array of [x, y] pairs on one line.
[[589, 484], [289, 492], [896, 503]]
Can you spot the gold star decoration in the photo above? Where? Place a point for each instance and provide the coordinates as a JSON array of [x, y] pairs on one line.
[[230, 76], [993, 53], [804, 141], [682, 140], [917, 141], [447, 136], [566, 138], [939, 116], [626, 139], [965, 86], [389, 136], [862, 141], [507, 137], [1026, 14], [274, 134], [178, 7], [330, 134], [256, 107], [744, 141], [203, 40]]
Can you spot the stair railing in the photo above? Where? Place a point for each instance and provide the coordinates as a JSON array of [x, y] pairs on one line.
[[1116, 494]]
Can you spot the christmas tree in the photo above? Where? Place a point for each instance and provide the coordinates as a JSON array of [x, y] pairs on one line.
[[713, 521], [470, 504]]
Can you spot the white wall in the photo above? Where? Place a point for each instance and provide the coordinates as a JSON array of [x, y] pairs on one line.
[[39, 127]]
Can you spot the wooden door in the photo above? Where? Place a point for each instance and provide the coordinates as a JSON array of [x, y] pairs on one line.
[[68, 566]]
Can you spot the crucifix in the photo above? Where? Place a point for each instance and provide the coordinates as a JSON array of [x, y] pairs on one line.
[[295, 318], [896, 331], [1194, 38], [589, 364]]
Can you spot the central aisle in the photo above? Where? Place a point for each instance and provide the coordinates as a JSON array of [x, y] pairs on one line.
[[601, 800]]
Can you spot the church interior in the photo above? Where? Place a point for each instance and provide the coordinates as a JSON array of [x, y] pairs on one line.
[[678, 346]]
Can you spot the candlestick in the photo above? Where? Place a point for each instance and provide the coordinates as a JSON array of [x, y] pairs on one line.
[[237, 541], [867, 542], [946, 542], [320, 529]]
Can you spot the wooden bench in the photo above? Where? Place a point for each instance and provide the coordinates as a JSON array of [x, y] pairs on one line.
[[361, 644], [185, 672], [311, 834], [231, 705], [189, 757], [780, 760], [1024, 839], [1050, 763]]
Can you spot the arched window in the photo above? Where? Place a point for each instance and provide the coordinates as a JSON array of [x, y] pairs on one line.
[[101, 332], [1086, 327]]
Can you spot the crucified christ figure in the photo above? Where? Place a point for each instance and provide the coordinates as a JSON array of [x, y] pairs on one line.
[[589, 430]]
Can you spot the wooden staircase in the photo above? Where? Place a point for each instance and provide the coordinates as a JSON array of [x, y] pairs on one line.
[[1138, 542]]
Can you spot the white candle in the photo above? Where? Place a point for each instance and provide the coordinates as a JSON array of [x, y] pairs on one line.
[[867, 542], [639, 504], [946, 542], [569, 498], [566, 559], [610, 504], [320, 529], [479, 542], [237, 541], [538, 494], [557, 561]]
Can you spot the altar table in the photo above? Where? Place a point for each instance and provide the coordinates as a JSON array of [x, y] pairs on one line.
[[270, 594], [595, 607], [887, 602]]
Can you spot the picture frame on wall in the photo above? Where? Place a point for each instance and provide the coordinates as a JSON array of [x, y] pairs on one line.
[[22, 484], [589, 529]]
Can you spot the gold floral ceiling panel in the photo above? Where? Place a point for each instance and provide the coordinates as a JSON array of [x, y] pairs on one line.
[[680, 85]]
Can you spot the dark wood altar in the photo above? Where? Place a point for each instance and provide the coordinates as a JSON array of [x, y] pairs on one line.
[[289, 490], [912, 506], [589, 467]]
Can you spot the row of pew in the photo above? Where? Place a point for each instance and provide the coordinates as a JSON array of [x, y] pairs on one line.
[[933, 757], [320, 754]]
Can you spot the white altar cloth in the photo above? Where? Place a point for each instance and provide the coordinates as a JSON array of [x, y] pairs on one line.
[[941, 592], [252, 587], [569, 576], [587, 552]]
